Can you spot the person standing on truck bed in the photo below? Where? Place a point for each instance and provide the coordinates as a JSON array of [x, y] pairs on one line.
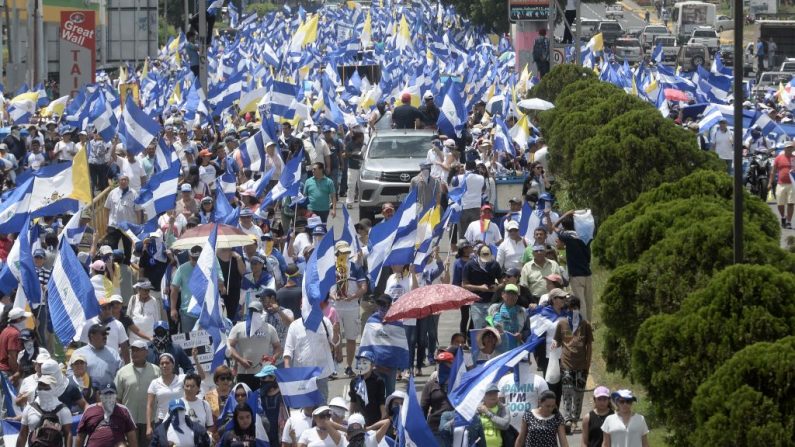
[[429, 110], [406, 116]]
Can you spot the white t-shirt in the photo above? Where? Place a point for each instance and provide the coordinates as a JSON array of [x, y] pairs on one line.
[[32, 418], [625, 436], [491, 236], [64, 150], [311, 438], [302, 240], [116, 336], [35, 160], [370, 440], [297, 422], [397, 286], [307, 348], [724, 144], [133, 171], [207, 176], [165, 393], [522, 396], [473, 196], [199, 410]]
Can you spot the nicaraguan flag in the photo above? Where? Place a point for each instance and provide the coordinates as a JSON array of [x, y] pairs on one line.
[[20, 262], [70, 295], [543, 319], [253, 401], [73, 232], [11, 430], [386, 341], [281, 99], [288, 183], [452, 118], [136, 128], [260, 185], [429, 233], [299, 386], [205, 299], [14, 209], [349, 233], [382, 236], [102, 118], [319, 276], [165, 155], [223, 212], [9, 396], [251, 154], [468, 394], [457, 370], [160, 192], [405, 242], [502, 137], [657, 54], [413, 429]]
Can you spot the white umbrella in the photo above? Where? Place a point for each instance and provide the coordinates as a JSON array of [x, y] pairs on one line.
[[535, 104]]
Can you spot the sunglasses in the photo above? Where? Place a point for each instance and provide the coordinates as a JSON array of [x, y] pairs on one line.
[[225, 378]]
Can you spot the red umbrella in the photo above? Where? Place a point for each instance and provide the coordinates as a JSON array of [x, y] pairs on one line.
[[676, 95], [429, 300], [228, 237]]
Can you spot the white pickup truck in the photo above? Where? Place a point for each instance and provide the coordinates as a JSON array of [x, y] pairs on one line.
[[706, 36], [614, 12]]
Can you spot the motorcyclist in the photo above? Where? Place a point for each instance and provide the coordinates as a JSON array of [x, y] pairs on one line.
[[757, 142]]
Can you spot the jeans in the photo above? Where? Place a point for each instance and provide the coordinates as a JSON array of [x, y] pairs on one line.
[[415, 336], [432, 334], [99, 176], [479, 312], [114, 236], [388, 375]]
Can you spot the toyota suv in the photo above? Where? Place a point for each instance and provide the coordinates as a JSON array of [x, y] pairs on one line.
[[392, 158]]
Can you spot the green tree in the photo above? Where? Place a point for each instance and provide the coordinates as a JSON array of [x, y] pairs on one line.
[[750, 400], [682, 262], [634, 152], [558, 78], [673, 354], [487, 13], [631, 230], [261, 8]]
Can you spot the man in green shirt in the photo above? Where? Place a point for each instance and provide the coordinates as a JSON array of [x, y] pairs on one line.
[[180, 291], [320, 191], [132, 383]]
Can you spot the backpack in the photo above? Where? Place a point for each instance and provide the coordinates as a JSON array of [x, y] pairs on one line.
[[541, 49], [49, 433]]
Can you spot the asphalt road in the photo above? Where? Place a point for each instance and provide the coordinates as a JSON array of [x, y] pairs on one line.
[[596, 11]]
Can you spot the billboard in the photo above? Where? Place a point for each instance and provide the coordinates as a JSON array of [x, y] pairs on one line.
[[528, 10], [78, 47]]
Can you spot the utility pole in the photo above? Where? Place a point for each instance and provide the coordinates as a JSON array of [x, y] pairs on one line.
[[738, 132], [187, 15], [203, 44], [577, 34]]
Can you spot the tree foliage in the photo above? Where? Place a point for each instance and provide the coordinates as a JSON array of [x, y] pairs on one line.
[[675, 353], [634, 152], [630, 231], [493, 16], [666, 273], [750, 400], [557, 79]]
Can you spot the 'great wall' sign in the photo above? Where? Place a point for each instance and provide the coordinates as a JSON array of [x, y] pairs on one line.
[[77, 49]]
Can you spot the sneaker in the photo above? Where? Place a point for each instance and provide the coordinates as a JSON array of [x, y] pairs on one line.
[[349, 372], [783, 223], [788, 226]]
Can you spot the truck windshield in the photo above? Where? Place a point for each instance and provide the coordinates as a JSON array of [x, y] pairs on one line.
[[404, 146], [705, 33]]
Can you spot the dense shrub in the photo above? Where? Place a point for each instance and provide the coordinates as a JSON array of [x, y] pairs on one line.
[[750, 400], [664, 275], [673, 354], [557, 79]]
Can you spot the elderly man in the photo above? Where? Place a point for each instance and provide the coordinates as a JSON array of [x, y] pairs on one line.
[[533, 273], [103, 363], [186, 204], [510, 251], [122, 208]]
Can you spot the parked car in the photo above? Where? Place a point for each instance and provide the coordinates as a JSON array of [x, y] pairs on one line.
[[392, 158], [649, 32], [628, 48], [723, 23], [706, 36], [669, 48], [614, 12], [588, 26], [788, 66], [692, 55], [611, 30]]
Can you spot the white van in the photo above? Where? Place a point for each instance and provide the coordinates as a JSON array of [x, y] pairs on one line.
[[687, 16]]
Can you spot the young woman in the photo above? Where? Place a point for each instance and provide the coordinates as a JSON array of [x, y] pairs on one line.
[[625, 428], [542, 426], [164, 389], [243, 433], [322, 433], [592, 422]]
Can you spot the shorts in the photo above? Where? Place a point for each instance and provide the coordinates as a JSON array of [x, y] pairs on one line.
[[785, 194], [350, 321]]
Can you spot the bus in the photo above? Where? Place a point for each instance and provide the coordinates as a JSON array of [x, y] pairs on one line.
[[687, 16]]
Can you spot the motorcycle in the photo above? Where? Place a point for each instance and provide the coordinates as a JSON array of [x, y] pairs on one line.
[[757, 173]]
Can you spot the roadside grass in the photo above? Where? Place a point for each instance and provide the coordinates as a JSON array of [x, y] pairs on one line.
[[658, 432]]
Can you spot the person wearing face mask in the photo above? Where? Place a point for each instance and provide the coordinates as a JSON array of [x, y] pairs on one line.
[[429, 189], [106, 423], [45, 416], [275, 413], [78, 375], [162, 344], [393, 403], [359, 434], [179, 429], [11, 345], [26, 357], [367, 391], [575, 335]]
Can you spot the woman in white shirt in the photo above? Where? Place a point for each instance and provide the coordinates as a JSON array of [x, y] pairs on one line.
[[398, 284], [322, 434], [164, 389], [625, 428]]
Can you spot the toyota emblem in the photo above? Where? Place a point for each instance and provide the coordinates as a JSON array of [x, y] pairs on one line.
[[405, 177]]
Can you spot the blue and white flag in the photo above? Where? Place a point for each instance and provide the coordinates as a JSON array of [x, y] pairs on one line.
[[413, 429], [453, 116], [457, 370], [9, 396], [405, 242], [282, 98], [70, 295], [502, 137], [20, 261], [160, 192], [251, 154], [320, 275], [14, 209], [260, 185], [299, 386], [657, 54], [165, 155], [382, 236], [223, 212], [253, 401], [386, 341], [205, 300], [468, 395], [11, 430], [524, 220], [349, 233], [542, 320], [288, 183], [136, 128], [101, 116], [73, 232]]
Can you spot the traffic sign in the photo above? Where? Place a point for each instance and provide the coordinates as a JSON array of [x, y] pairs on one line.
[[528, 10]]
